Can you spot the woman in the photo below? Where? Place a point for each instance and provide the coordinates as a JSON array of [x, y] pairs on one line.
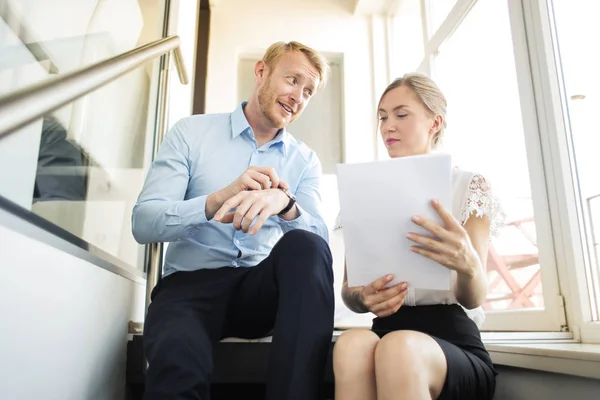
[[423, 343]]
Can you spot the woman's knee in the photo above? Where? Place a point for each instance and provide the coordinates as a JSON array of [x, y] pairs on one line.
[[352, 346], [415, 349], [396, 344]]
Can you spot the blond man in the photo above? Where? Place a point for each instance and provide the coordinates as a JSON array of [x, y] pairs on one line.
[[237, 198]]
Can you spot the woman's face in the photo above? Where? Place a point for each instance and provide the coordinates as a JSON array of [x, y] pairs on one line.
[[407, 127]]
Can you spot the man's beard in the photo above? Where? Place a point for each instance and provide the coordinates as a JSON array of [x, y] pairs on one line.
[[266, 101]]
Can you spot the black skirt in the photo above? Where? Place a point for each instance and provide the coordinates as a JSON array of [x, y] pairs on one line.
[[471, 374]]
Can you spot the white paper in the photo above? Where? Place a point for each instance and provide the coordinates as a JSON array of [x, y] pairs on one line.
[[377, 202]]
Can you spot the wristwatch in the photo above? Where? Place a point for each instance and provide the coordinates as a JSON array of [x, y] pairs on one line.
[[290, 203]]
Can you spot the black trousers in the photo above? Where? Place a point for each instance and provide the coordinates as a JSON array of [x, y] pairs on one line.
[[289, 294]]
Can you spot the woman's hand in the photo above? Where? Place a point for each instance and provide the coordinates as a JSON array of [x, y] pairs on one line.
[[451, 245], [379, 300]]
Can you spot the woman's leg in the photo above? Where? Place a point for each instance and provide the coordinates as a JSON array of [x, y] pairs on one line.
[[354, 365], [409, 365]]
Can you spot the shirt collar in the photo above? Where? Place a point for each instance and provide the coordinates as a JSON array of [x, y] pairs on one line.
[[239, 125]]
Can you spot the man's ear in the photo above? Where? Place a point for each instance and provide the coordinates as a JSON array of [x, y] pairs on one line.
[[260, 71]]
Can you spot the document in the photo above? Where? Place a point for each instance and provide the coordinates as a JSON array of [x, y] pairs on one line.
[[377, 202]]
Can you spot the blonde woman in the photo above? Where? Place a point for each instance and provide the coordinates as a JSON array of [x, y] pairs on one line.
[[424, 344]]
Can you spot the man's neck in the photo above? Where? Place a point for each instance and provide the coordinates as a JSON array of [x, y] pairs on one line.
[[263, 131]]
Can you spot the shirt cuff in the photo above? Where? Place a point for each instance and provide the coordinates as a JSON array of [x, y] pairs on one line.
[[295, 223], [190, 212]]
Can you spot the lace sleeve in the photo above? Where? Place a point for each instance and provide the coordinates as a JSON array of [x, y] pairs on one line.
[[480, 201]]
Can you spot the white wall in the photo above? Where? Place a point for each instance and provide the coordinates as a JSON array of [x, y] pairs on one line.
[[243, 27], [63, 323], [183, 22]]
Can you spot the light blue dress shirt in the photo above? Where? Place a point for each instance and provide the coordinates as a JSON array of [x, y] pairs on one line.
[[202, 154]]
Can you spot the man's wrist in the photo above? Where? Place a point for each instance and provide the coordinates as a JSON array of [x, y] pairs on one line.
[[215, 201], [289, 211]]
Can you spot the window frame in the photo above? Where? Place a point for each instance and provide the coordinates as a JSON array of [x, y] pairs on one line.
[[569, 235], [559, 240]]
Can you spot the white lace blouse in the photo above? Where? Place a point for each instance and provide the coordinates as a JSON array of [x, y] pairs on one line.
[[471, 196]]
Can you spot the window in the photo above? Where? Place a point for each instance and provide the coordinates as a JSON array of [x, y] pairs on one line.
[[575, 25], [438, 11], [478, 56], [485, 114]]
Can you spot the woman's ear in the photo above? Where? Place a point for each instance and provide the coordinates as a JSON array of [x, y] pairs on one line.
[[436, 126]]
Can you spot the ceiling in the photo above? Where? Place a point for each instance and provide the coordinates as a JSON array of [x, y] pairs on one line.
[[353, 6]]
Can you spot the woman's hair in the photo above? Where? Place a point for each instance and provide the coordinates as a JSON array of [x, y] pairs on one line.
[[428, 93]]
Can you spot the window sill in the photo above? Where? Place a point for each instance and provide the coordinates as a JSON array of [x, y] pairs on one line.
[[564, 358]]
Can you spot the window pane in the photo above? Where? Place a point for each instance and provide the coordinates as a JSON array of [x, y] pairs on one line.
[[476, 70], [576, 22], [83, 166], [438, 11], [41, 38]]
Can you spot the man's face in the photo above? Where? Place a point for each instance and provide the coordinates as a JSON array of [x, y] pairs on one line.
[[285, 90]]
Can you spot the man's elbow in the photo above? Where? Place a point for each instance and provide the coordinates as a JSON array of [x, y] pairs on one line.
[[138, 228]]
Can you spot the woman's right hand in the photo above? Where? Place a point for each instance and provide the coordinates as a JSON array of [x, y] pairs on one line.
[[383, 301]]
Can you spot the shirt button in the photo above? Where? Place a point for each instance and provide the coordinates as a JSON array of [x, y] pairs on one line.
[[236, 241], [234, 263]]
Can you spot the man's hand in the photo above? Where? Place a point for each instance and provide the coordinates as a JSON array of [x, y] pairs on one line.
[[381, 301], [254, 178], [259, 204]]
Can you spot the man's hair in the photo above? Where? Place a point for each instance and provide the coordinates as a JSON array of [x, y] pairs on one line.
[[277, 50]]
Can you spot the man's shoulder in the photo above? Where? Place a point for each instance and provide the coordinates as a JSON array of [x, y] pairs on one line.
[[298, 147], [200, 126], [205, 121]]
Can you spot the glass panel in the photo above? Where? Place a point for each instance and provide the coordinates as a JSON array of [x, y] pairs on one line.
[[408, 49], [438, 11], [484, 113], [82, 167], [41, 38], [576, 22]]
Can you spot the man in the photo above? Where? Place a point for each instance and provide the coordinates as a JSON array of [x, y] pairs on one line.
[[222, 190]]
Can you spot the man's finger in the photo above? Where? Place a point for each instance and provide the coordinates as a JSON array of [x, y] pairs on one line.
[[229, 205], [227, 218], [262, 218], [283, 185], [260, 178], [250, 215], [240, 213], [269, 171], [251, 181]]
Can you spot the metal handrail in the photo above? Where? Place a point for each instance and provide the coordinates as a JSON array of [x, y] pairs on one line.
[[22, 107]]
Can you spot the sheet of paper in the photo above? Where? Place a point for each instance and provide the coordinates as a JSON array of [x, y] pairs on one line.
[[377, 201]]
